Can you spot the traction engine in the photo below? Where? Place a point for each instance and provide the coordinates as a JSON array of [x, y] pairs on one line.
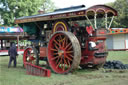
[[64, 41]]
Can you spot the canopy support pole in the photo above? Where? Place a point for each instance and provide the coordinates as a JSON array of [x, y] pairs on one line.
[[89, 21], [106, 21], [17, 43], [111, 22], [95, 21], [1, 44]]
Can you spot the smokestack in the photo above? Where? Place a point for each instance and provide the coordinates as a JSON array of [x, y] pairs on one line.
[[41, 11]]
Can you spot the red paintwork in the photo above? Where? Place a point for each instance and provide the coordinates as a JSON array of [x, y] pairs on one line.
[[43, 51], [88, 56], [36, 70], [24, 58], [89, 29], [97, 61], [31, 58]]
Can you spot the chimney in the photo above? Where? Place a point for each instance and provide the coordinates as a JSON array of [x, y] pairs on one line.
[[41, 11]]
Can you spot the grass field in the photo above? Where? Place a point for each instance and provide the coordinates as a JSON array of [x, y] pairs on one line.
[[17, 76]]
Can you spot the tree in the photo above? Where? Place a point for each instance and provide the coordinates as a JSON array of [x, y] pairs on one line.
[[48, 6], [122, 8], [12, 9]]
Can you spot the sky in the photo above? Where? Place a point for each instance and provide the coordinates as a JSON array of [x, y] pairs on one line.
[[87, 3]]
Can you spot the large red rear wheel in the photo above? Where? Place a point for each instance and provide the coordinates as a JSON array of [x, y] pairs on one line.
[[30, 55], [64, 52]]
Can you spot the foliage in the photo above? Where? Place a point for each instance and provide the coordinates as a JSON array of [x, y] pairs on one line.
[[122, 8], [48, 6], [12, 9]]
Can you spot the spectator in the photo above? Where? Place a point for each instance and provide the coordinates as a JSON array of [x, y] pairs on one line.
[[12, 53]]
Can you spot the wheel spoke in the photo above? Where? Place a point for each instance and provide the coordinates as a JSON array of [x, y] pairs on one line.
[[65, 63], [60, 38], [70, 55], [63, 43], [56, 43], [31, 57], [55, 53], [59, 43], [63, 67], [69, 52], [56, 46], [57, 60], [54, 49], [62, 64], [69, 58], [59, 63], [69, 63], [70, 48], [68, 45], [55, 57], [66, 41]]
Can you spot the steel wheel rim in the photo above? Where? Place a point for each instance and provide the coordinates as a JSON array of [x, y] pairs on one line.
[[61, 53]]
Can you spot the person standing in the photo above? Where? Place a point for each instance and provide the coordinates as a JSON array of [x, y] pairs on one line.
[[12, 52]]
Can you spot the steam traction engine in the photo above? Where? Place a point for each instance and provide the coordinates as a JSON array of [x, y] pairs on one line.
[[67, 38]]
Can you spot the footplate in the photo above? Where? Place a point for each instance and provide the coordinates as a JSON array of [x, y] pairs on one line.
[[37, 71]]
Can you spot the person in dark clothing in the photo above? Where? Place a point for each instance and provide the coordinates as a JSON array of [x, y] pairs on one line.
[[12, 52]]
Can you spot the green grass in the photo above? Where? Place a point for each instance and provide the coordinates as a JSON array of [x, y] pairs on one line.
[[17, 76], [118, 55]]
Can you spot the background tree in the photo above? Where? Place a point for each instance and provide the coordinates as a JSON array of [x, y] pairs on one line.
[[122, 8], [12, 9], [48, 6]]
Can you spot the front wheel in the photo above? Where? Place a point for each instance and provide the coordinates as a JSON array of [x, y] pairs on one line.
[[64, 52], [30, 55]]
